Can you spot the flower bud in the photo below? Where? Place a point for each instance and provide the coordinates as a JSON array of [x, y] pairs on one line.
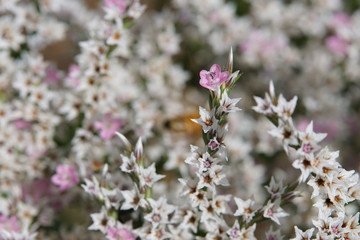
[[139, 150], [229, 66], [125, 141], [105, 170]]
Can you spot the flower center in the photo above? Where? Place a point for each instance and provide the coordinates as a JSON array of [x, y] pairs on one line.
[[156, 217], [234, 232], [307, 148], [212, 75], [207, 163]]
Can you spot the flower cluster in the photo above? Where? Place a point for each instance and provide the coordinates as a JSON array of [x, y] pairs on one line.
[[334, 188]]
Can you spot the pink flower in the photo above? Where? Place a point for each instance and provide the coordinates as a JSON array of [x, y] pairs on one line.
[[121, 233], [51, 76], [73, 75], [22, 124], [9, 223], [260, 42], [341, 20], [337, 45], [65, 176], [120, 4], [108, 126], [213, 144], [213, 78]]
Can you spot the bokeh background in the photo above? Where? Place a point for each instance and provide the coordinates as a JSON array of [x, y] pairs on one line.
[[59, 74]]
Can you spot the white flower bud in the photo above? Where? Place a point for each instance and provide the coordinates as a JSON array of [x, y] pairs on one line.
[[125, 141], [139, 150]]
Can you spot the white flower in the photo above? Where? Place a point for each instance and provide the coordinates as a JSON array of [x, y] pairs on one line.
[[300, 235], [136, 9], [160, 212], [266, 106], [263, 106], [244, 234], [168, 41], [335, 227], [287, 133], [194, 158], [352, 227], [310, 140], [325, 161], [189, 221], [92, 187], [129, 164], [112, 198], [206, 162], [285, 109], [189, 186], [148, 176], [305, 166], [246, 209], [273, 235], [227, 105], [159, 233], [207, 120], [273, 211], [208, 213], [133, 199], [100, 221], [234, 232], [275, 189], [220, 203]]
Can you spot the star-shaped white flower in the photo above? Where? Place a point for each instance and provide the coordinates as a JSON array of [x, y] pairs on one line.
[[266, 105], [246, 209], [275, 188], [207, 120], [100, 221], [133, 199], [273, 211], [310, 140], [285, 109], [227, 104], [300, 235], [148, 176]]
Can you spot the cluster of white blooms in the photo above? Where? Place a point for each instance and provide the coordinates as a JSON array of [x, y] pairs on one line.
[[334, 188], [29, 116]]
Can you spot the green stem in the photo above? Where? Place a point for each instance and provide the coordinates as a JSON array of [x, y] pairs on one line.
[[37, 5], [148, 193]]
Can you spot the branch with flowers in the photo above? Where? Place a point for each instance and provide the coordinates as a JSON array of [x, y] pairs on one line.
[[334, 188]]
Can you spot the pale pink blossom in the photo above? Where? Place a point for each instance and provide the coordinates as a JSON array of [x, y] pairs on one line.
[[119, 233], [341, 20], [260, 42], [108, 126], [337, 45], [214, 78], [120, 4], [51, 76], [22, 124], [9, 223], [73, 76], [65, 177]]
